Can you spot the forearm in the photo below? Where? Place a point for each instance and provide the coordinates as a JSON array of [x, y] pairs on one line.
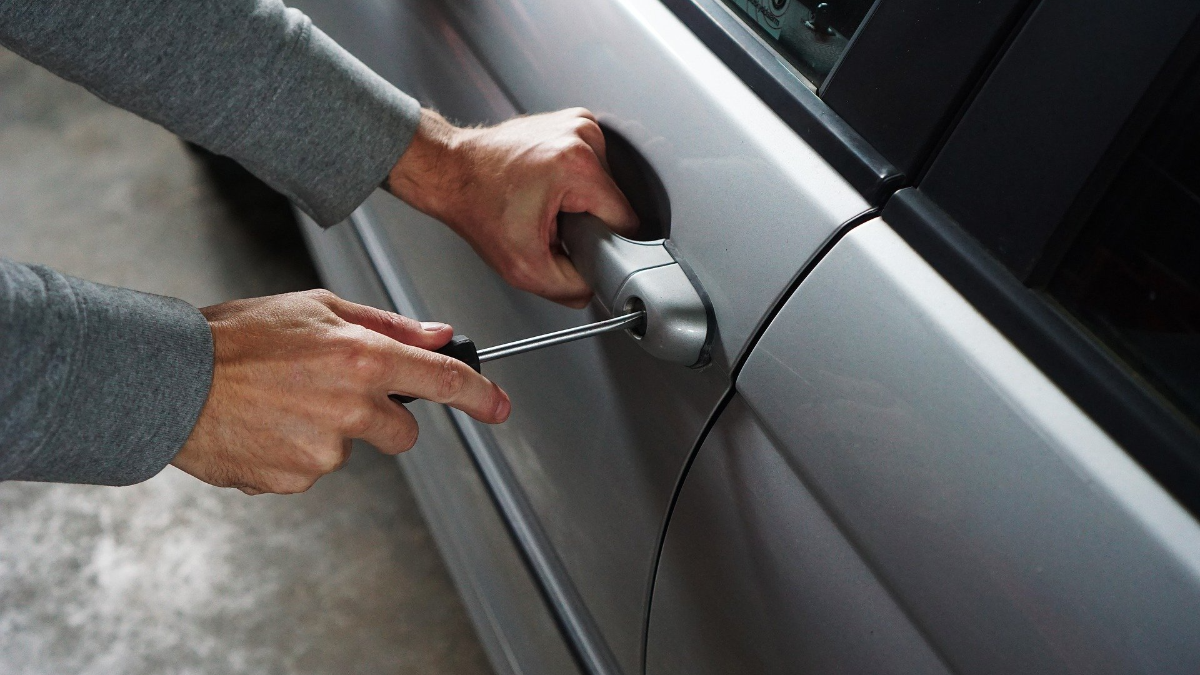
[[100, 384], [249, 79]]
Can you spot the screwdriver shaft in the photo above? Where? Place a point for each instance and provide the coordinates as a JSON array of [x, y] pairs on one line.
[[559, 337]]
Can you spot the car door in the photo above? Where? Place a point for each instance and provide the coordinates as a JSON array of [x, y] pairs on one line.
[[586, 467], [602, 429], [968, 441], [759, 172]]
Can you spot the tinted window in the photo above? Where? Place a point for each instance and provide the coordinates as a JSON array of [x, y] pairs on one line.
[[1133, 275], [812, 35]]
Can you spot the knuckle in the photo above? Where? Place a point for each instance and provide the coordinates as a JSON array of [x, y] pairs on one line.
[[585, 126], [355, 421], [367, 368], [522, 272], [362, 362], [520, 276], [582, 152], [322, 295], [449, 378], [323, 462], [576, 153], [400, 322], [291, 485]]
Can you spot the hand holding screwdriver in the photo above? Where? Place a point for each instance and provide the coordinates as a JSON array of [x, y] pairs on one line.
[[296, 377], [463, 348]]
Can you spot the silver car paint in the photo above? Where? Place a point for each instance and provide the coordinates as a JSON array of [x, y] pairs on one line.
[[600, 431], [756, 577], [1012, 531]]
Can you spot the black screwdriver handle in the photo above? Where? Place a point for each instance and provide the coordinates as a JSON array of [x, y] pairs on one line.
[[459, 347]]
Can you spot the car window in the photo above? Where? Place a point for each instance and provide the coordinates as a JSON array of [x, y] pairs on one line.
[[1133, 274], [812, 35]]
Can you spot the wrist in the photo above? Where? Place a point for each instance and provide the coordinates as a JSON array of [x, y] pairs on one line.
[[431, 171]]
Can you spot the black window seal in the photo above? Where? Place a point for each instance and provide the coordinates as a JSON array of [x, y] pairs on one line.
[[912, 66], [794, 101], [1032, 149], [1156, 435], [855, 120]]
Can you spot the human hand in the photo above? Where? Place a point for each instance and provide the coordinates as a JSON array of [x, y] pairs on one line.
[[501, 188], [298, 376]]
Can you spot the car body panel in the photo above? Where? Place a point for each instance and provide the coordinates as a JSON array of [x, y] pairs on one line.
[[1003, 521], [895, 487], [755, 577]]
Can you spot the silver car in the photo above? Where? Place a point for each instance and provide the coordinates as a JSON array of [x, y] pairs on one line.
[[919, 387]]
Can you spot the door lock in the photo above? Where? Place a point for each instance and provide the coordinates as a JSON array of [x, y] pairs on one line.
[[629, 276]]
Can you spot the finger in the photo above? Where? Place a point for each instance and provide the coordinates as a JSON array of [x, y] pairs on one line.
[[569, 286], [549, 273], [589, 132], [580, 112], [344, 457], [393, 429], [292, 484], [426, 335], [597, 194], [317, 459], [441, 379], [281, 483]]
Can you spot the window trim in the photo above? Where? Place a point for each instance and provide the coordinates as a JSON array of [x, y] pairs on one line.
[[936, 54], [740, 48], [942, 73]]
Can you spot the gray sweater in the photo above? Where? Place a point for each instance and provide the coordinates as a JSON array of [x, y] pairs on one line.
[[101, 384]]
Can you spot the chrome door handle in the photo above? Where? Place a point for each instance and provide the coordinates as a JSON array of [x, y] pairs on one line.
[[627, 275]]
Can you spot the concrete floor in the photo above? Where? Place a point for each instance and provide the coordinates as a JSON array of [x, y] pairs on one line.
[[174, 576]]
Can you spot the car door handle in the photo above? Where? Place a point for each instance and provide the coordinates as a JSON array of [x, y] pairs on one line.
[[629, 275]]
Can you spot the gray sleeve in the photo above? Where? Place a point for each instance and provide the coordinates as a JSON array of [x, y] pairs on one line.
[[249, 79], [100, 384]]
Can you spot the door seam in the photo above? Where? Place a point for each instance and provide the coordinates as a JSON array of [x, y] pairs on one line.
[[838, 234]]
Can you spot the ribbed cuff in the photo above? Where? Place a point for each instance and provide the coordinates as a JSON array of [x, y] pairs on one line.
[[346, 127], [139, 374]]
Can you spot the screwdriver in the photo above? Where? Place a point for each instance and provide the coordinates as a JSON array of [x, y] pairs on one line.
[[463, 348]]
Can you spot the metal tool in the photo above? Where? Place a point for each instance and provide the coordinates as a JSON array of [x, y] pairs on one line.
[[463, 348], [560, 337]]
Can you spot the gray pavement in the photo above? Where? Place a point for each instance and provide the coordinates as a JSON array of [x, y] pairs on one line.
[[174, 576]]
